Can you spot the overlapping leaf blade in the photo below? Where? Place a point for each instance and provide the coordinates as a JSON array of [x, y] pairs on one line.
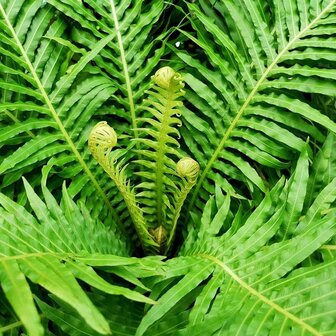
[[250, 89], [257, 278], [53, 248], [55, 75]]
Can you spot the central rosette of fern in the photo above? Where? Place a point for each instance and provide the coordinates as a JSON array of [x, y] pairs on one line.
[[165, 177]]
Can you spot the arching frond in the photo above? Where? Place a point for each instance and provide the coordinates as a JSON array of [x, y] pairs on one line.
[[53, 248], [247, 279], [249, 87], [52, 87]]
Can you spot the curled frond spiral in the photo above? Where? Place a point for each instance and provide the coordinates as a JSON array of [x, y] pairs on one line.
[[188, 167], [102, 138], [101, 141], [162, 186], [166, 78]]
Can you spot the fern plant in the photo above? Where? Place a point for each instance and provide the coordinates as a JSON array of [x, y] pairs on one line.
[[200, 134]]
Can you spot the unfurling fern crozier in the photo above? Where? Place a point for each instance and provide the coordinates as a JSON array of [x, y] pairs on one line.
[[102, 139], [164, 179]]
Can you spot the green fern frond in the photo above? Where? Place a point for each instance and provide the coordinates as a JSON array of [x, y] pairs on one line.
[[102, 139], [157, 146], [246, 280], [49, 250], [160, 193], [251, 96]]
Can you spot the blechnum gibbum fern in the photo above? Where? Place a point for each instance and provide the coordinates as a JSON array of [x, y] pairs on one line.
[[165, 177]]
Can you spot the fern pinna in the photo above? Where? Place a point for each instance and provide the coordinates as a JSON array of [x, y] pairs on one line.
[[156, 200]]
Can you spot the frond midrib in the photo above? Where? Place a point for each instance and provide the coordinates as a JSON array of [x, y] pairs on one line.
[[62, 256], [11, 326], [260, 296], [247, 102], [160, 156], [54, 113], [125, 68]]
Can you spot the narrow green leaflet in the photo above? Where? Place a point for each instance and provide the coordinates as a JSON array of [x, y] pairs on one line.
[[17, 291]]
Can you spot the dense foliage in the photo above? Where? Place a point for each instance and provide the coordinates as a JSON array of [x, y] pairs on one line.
[[211, 217]]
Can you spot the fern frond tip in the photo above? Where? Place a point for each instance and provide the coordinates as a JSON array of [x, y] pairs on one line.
[[103, 137], [188, 167], [166, 77]]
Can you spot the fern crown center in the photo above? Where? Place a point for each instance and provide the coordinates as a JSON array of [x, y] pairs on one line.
[[155, 190]]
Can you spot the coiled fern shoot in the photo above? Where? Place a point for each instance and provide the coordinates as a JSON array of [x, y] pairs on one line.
[[164, 178]]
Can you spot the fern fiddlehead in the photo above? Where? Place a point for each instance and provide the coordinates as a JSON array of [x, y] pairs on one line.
[[102, 140], [156, 206], [188, 169]]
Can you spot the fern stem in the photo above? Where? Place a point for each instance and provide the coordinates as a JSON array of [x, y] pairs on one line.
[[55, 115], [180, 201], [260, 296], [160, 160], [11, 326], [241, 111], [125, 68], [188, 169]]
